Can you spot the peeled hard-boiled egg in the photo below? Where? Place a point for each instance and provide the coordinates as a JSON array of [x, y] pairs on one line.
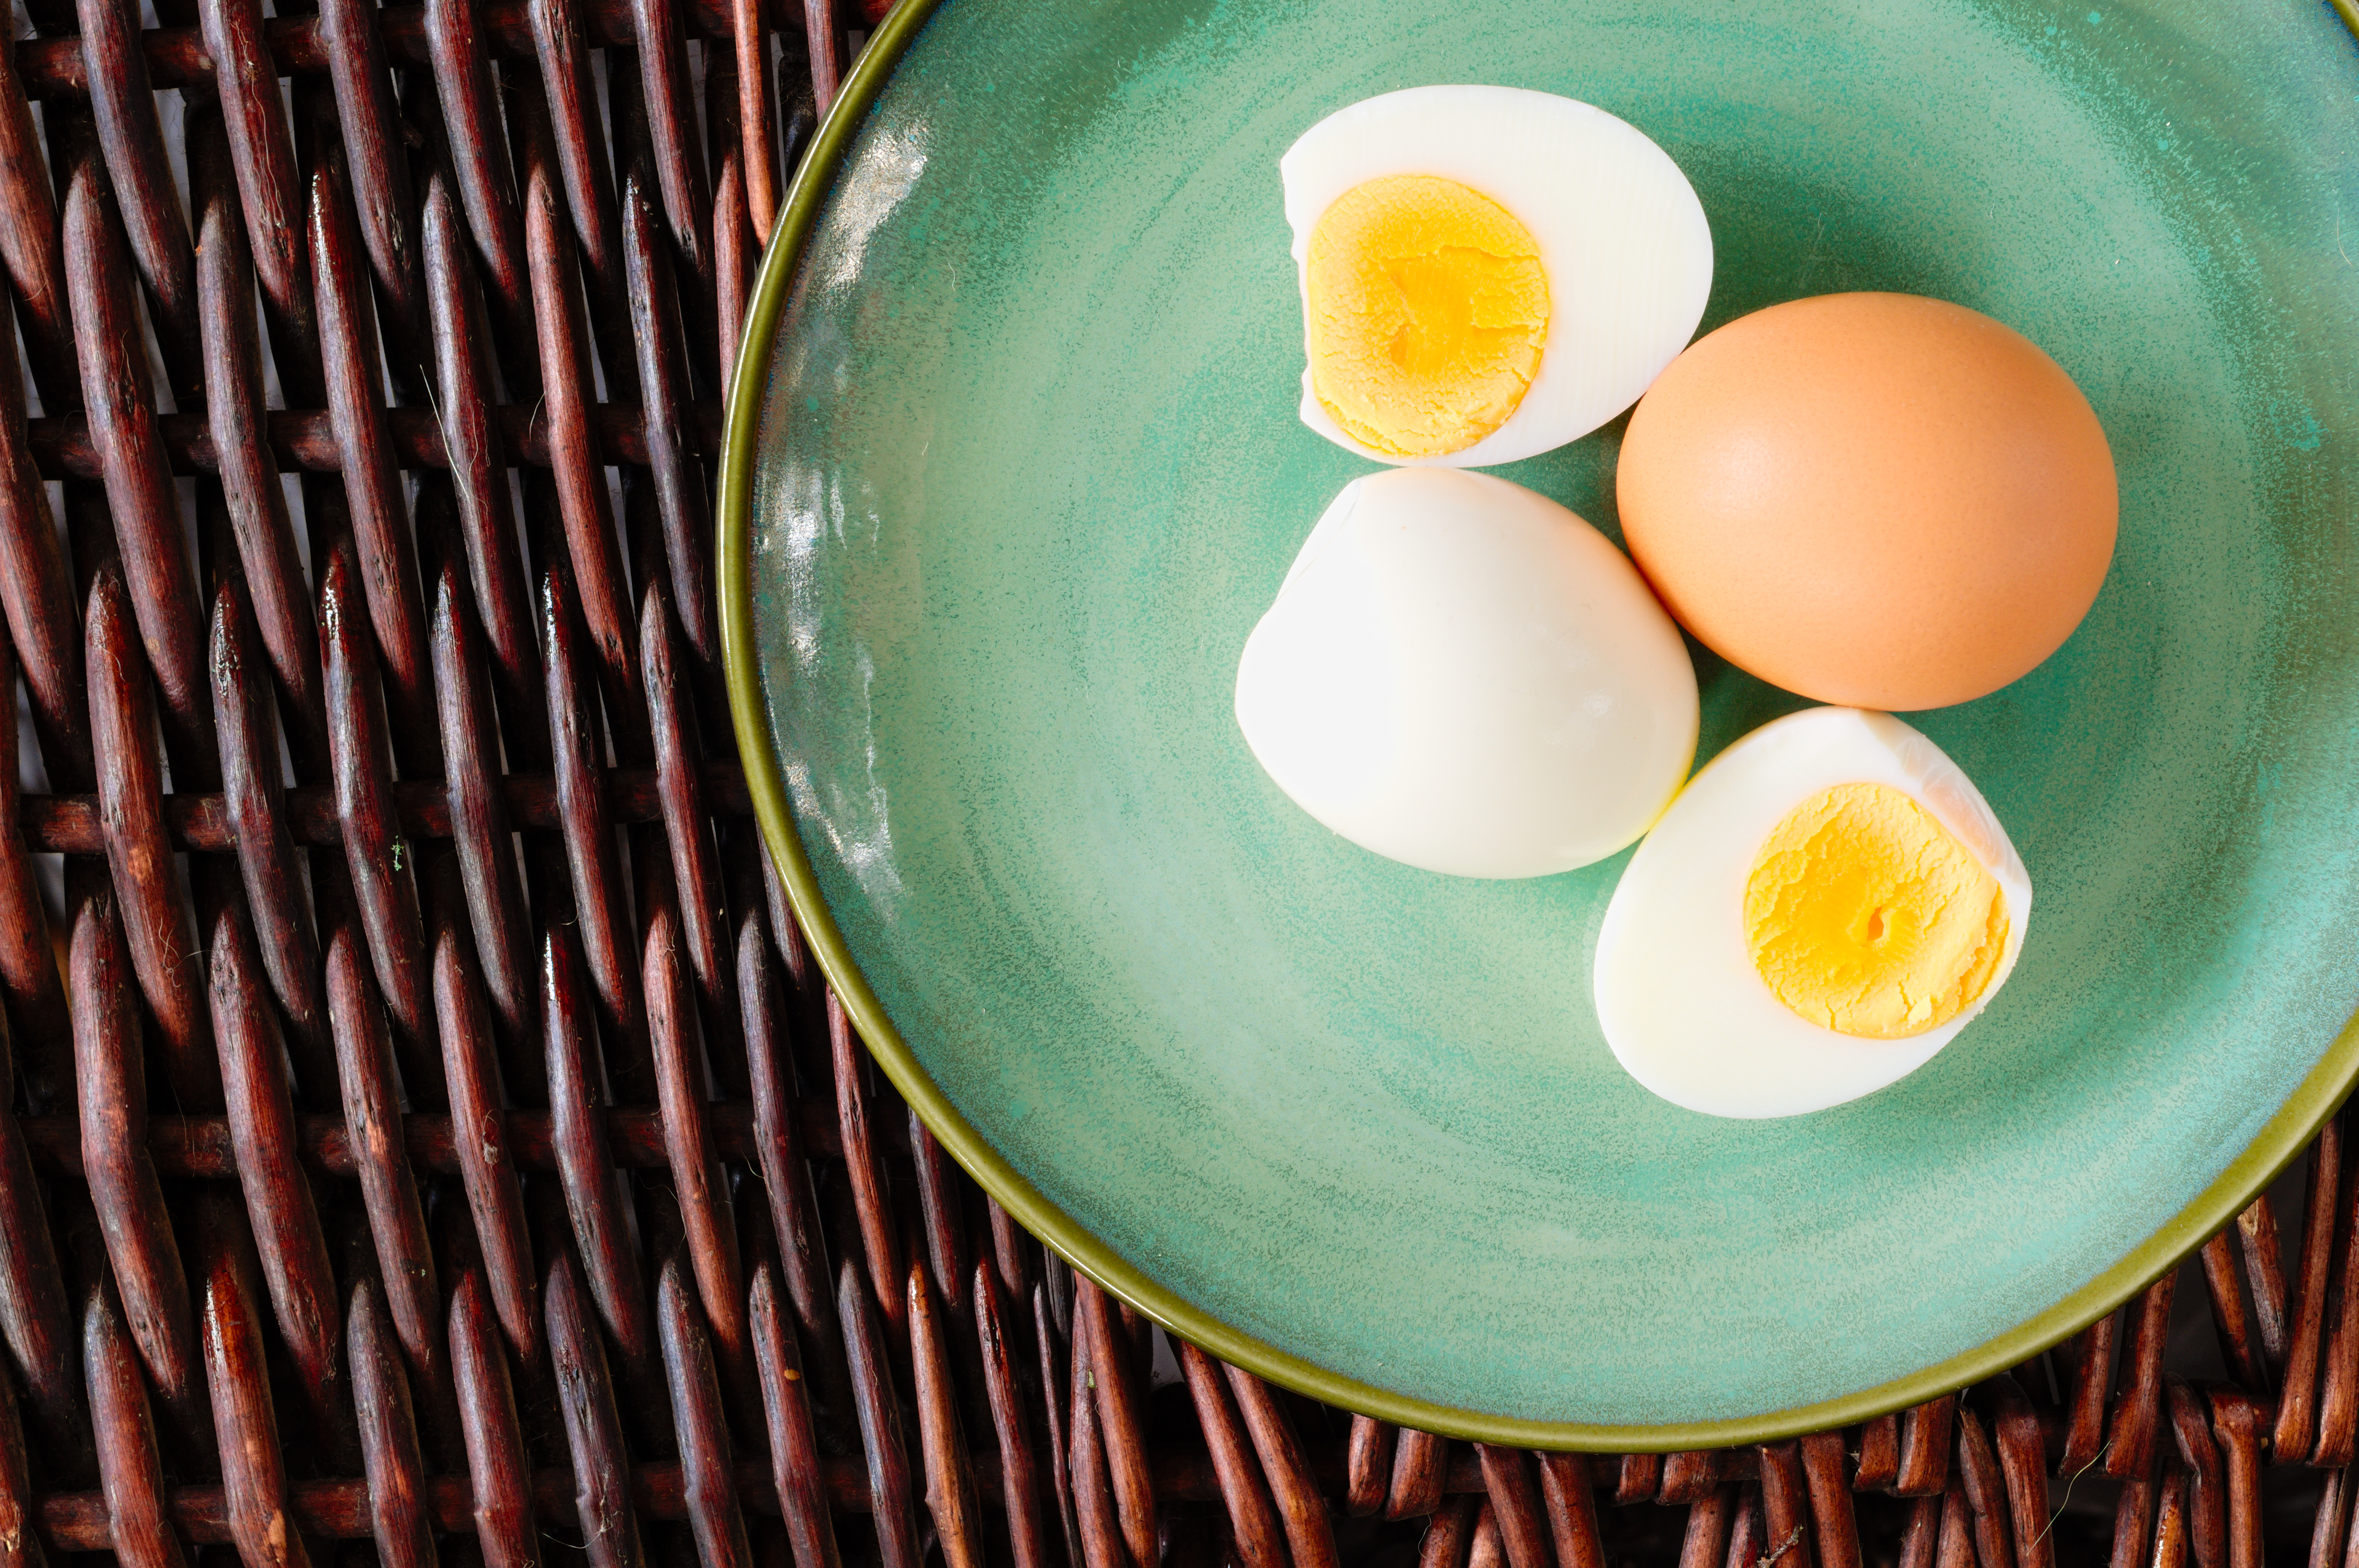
[[1464, 676], [1487, 271], [1825, 905]]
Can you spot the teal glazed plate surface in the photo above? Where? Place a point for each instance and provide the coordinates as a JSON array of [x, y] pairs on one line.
[[1014, 467]]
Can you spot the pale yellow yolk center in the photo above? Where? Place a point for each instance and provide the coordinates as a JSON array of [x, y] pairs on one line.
[[1866, 916], [1427, 309]]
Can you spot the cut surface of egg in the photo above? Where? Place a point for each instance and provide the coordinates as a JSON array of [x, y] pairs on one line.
[[1824, 907], [1487, 271], [1461, 675]]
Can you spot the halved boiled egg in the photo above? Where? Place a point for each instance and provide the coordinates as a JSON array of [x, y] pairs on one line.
[[1487, 271], [1464, 676], [1822, 908]]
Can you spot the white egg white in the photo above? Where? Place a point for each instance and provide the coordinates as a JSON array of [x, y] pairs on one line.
[[1621, 238], [1464, 676], [1683, 1007]]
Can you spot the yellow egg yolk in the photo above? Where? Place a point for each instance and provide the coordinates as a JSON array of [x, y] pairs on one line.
[[1427, 307], [1865, 914]]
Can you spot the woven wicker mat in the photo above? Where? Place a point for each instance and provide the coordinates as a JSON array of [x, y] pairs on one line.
[[449, 1154]]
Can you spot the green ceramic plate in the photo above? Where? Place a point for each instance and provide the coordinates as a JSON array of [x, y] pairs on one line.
[[1014, 467]]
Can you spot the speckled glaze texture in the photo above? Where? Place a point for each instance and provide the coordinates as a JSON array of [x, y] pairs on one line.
[[1029, 471]]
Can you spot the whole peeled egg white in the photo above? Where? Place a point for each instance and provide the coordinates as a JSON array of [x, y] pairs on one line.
[[1825, 906], [1463, 675], [1487, 271]]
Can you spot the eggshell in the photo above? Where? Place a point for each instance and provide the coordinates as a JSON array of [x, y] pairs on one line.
[[1874, 500]]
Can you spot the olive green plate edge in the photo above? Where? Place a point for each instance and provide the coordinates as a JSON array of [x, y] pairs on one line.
[[2284, 1137]]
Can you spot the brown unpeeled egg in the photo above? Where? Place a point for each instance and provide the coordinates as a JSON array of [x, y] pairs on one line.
[[1874, 500]]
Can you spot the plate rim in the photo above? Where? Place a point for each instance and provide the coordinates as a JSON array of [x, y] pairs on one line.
[[2280, 1140]]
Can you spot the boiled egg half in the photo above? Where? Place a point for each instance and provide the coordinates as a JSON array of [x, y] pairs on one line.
[[1822, 908], [1461, 675], [1487, 271]]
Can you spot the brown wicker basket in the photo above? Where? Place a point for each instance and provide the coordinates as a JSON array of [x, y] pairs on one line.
[[504, 1185]]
